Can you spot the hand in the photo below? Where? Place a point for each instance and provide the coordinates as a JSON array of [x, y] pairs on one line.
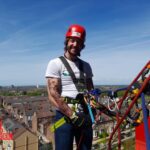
[[77, 120]]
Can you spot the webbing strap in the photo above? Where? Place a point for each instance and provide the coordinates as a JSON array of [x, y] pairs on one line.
[[74, 79], [57, 124], [71, 100]]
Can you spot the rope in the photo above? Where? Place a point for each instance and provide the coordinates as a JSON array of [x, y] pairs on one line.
[[114, 100]]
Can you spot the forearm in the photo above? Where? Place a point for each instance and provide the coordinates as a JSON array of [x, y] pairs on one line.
[[56, 100], [61, 105]]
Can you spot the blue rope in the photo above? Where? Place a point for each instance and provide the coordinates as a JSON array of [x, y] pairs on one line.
[[145, 120], [91, 114]]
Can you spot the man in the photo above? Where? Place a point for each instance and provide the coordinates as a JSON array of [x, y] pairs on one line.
[[64, 92]]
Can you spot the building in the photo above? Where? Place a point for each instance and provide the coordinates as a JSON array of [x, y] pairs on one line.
[[35, 112], [22, 137]]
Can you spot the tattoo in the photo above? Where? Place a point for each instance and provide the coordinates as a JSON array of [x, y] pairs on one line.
[[54, 93], [54, 87]]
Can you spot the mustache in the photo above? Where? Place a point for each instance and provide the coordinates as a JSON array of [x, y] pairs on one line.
[[71, 46]]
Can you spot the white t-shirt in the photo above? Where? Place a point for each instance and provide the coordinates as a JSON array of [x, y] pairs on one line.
[[57, 69]]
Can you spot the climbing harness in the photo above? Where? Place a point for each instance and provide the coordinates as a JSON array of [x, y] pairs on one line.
[[80, 100]]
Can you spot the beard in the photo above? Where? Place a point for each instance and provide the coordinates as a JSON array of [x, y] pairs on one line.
[[69, 48]]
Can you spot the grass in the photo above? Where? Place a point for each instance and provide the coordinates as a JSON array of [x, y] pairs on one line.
[[127, 145]]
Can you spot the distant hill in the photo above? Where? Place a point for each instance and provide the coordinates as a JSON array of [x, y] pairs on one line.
[[109, 87]]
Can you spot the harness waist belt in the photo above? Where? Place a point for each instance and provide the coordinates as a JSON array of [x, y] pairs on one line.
[[70, 100]]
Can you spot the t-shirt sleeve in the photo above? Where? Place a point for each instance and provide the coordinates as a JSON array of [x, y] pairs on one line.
[[89, 73], [53, 69]]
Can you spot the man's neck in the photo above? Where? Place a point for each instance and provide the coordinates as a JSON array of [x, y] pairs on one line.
[[70, 57]]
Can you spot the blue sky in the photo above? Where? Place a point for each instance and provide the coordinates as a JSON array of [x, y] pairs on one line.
[[32, 32]]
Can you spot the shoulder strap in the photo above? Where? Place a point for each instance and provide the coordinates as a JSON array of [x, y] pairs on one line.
[[71, 71], [81, 68]]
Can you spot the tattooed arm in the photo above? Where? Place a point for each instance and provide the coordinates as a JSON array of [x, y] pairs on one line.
[[54, 89]]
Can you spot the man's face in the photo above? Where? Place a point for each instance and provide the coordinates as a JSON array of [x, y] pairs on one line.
[[74, 46]]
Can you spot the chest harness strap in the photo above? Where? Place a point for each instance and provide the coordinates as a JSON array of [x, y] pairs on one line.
[[77, 82]]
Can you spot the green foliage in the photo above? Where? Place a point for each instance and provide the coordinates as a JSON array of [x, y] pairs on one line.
[[34, 93], [103, 135], [121, 93]]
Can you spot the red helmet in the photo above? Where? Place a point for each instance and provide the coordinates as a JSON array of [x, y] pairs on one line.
[[76, 31]]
